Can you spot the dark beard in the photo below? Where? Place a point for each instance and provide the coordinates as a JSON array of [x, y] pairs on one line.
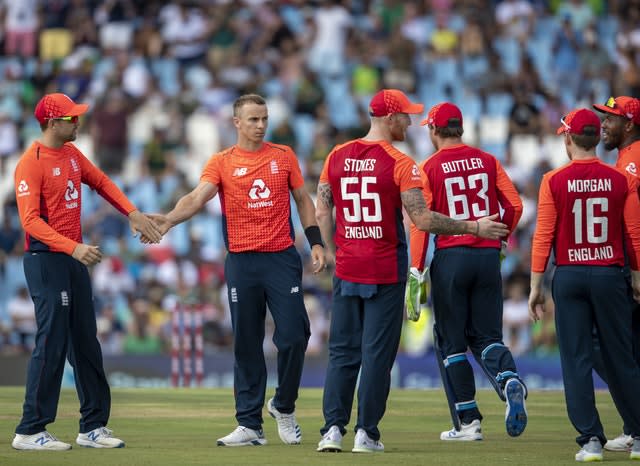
[[610, 145]]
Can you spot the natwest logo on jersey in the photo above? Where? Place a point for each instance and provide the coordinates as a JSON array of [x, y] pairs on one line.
[[259, 192], [71, 196], [23, 188]]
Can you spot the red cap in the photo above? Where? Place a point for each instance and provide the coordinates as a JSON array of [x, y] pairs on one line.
[[627, 107], [576, 121], [56, 106], [441, 114], [388, 101]]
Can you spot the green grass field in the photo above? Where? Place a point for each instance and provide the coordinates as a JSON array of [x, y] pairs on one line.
[[180, 427]]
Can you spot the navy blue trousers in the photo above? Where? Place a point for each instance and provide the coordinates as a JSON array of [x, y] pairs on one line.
[[60, 287], [466, 287], [598, 363], [256, 280], [364, 338], [588, 298]]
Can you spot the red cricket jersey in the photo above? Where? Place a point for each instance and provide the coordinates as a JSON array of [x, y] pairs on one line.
[[366, 179], [587, 211], [254, 195], [49, 195], [464, 183]]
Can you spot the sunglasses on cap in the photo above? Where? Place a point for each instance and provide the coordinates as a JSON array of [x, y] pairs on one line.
[[611, 102], [567, 128], [70, 119]]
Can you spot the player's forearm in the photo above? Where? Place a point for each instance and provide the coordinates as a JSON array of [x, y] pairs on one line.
[[536, 280], [443, 225], [324, 217], [306, 210], [433, 222], [40, 230], [186, 208]]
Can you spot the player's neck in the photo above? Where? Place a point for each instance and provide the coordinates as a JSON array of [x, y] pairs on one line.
[[628, 141], [49, 140], [444, 143], [582, 155], [378, 132], [248, 145]]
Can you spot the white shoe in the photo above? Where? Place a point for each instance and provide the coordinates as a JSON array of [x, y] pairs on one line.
[[288, 429], [590, 451], [99, 438], [242, 437], [331, 440], [467, 432], [363, 444], [621, 443], [41, 441]]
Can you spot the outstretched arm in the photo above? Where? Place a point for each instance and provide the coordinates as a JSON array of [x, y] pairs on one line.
[[433, 222], [186, 207]]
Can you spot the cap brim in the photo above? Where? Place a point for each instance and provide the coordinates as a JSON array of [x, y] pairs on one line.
[[414, 109], [78, 109], [424, 122], [605, 109], [561, 130]]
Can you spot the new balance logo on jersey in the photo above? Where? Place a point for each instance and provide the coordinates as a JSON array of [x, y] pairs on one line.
[[258, 191], [23, 189], [74, 165], [64, 298], [234, 295], [70, 195], [241, 171], [274, 167], [295, 289], [56, 171]]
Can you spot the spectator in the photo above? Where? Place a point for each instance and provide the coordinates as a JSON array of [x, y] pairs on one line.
[[109, 131], [23, 318]]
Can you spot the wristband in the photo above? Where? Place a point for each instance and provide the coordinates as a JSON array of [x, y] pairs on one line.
[[313, 235]]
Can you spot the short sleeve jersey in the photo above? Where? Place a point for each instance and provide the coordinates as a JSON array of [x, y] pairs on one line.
[[366, 180], [254, 194], [49, 195], [587, 212]]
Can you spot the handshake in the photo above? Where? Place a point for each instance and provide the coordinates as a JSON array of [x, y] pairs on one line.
[[416, 292]]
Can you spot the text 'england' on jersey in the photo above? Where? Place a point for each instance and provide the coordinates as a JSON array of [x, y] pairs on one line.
[[366, 180], [589, 200]]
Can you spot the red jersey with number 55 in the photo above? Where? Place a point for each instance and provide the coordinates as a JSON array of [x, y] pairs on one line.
[[587, 211], [366, 179]]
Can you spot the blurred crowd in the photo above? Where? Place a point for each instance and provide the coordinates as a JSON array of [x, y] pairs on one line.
[[161, 76]]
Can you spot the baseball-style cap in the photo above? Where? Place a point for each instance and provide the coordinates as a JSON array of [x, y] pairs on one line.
[[576, 121], [56, 106], [625, 106], [388, 101], [441, 115]]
